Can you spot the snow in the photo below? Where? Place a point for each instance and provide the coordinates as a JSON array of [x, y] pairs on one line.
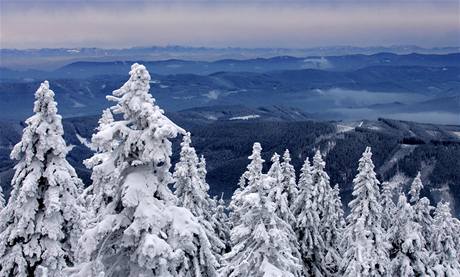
[[212, 95], [77, 104], [317, 63], [132, 214], [84, 141], [344, 128], [245, 117], [128, 222], [456, 133], [42, 221]]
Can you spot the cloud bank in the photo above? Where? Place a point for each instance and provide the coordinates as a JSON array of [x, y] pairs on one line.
[[31, 24]]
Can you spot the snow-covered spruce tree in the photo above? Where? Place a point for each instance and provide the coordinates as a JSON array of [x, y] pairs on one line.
[[388, 206], [262, 243], [320, 184], [41, 222], [278, 193], [364, 245], [423, 216], [138, 229], [415, 188], [288, 178], [222, 219], [311, 243], [457, 238], [408, 253], [217, 206], [202, 172], [326, 202], [192, 193], [444, 256], [327, 209], [248, 179], [332, 230], [218, 209]]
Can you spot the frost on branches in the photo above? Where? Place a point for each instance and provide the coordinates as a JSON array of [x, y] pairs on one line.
[[444, 256], [319, 215], [409, 254], [249, 178], [308, 222], [138, 230], [262, 243], [365, 249], [288, 180], [192, 193], [279, 194], [388, 206], [415, 188], [41, 222]]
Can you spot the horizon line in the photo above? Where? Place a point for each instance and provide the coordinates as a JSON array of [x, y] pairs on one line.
[[235, 47]]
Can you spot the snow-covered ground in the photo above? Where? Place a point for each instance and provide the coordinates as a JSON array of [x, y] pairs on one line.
[[246, 117]]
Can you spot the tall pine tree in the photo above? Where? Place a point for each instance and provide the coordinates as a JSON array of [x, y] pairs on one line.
[[409, 254], [308, 223], [444, 256], [263, 244], [41, 222], [138, 229], [364, 244], [332, 230], [251, 176], [279, 194], [192, 193], [288, 180], [388, 206], [415, 188]]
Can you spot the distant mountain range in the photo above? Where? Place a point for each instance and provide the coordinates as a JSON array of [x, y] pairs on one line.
[[302, 101], [54, 58], [86, 69], [417, 87]]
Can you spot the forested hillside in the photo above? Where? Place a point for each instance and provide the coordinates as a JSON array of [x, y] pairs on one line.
[[140, 214]]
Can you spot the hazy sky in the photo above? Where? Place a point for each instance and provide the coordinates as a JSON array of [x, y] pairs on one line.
[[221, 23]]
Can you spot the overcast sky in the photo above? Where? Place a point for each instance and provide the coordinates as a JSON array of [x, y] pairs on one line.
[[221, 23]]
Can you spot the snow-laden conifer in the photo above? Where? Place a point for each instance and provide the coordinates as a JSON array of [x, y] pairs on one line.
[[327, 222], [444, 256], [364, 244], [321, 184], [248, 179], [332, 230], [423, 216], [415, 188], [41, 222], [388, 206], [191, 190], [262, 243], [288, 178], [105, 120], [202, 172], [223, 221], [279, 193], [138, 229], [311, 243], [409, 255], [328, 211]]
